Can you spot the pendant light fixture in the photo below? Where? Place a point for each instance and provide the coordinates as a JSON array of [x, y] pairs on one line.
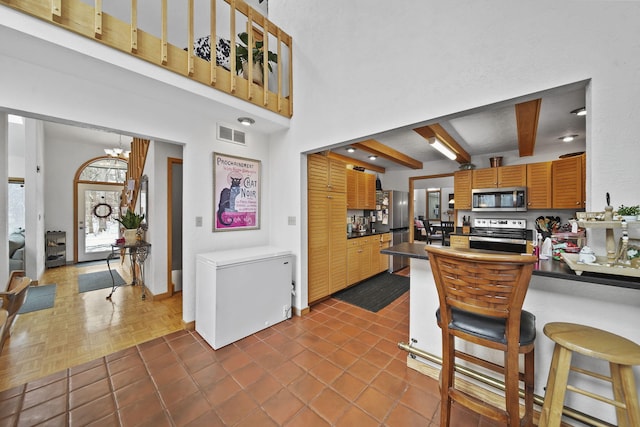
[[117, 151]]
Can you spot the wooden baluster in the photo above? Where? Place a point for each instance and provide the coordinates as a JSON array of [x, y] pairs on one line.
[[190, 38], [56, 8], [232, 29], [97, 28], [290, 76], [134, 26], [163, 47], [265, 62], [212, 43], [279, 65], [250, 44]]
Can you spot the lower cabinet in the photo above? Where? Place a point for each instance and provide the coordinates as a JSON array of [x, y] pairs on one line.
[[460, 242], [383, 260], [364, 258], [358, 260]]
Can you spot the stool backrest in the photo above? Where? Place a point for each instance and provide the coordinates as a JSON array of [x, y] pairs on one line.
[[487, 284]]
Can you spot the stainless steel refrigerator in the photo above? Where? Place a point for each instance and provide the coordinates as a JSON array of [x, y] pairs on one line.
[[398, 225]]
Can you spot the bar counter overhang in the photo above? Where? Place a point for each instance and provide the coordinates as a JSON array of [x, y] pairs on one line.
[[555, 294]]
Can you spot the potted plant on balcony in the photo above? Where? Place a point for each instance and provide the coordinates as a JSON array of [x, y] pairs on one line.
[[131, 222], [242, 58], [629, 213]]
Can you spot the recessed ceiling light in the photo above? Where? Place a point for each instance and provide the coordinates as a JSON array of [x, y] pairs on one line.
[[582, 111], [350, 149], [372, 157], [246, 121], [568, 138]]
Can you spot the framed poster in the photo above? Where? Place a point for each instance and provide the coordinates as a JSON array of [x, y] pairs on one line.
[[236, 193]]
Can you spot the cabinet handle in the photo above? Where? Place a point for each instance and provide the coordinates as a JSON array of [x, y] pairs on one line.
[[329, 197]]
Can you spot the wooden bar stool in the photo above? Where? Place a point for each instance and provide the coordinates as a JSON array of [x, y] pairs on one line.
[[481, 297], [621, 354]]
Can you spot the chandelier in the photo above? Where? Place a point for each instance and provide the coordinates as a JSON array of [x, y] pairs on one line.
[[117, 151]]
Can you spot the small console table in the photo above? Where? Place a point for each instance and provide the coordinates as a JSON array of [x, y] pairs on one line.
[[138, 253]]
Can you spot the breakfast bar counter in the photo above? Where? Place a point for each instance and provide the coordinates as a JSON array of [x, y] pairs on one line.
[[555, 294]]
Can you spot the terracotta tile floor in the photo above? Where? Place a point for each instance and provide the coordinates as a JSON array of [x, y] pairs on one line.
[[339, 365]]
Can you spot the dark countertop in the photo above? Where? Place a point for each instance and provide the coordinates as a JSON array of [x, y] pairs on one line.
[[546, 268], [355, 235]]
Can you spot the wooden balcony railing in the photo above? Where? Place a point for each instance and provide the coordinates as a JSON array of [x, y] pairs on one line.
[[223, 19]]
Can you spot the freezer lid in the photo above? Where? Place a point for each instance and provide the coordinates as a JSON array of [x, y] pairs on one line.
[[237, 256]]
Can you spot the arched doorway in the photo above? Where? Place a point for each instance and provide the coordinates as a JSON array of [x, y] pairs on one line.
[[98, 188]]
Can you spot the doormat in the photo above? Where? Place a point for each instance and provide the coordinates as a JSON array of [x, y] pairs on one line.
[[38, 298], [98, 280], [376, 293]]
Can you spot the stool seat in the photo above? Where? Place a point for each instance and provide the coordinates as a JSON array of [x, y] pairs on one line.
[[621, 353], [594, 342]]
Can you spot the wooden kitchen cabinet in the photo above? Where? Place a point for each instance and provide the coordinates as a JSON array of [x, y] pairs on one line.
[[462, 189], [325, 174], [503, 176], [358, 259], [568, 182], [364, 259], [459, 242], [370, 191], [384, 242], [539, 185], [327, 228], [361, 190]]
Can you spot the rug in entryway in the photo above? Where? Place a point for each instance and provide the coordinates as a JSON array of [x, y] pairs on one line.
[[375, 293], [39, 298], [98, 280]]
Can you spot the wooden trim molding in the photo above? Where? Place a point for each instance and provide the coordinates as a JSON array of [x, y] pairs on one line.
[[527, 115]]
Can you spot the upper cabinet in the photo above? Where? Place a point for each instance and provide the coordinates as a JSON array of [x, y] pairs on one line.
[[503, 176], [361, 190], [326, 174], [568, 183], [539, 185], [462, 189], [559, 184]]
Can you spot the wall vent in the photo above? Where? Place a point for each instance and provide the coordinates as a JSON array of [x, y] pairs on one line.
[[228, 134]]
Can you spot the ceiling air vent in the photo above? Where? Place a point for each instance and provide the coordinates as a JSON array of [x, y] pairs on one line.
[[229, 134]]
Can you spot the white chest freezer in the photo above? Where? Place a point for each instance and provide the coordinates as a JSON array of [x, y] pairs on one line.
[[241, 291]]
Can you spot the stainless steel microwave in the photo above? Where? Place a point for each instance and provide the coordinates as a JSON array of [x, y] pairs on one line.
[[509, 199]]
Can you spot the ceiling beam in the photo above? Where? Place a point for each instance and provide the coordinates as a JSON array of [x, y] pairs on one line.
[[374, 147], [437, 131], [354, 162], [527, 114]]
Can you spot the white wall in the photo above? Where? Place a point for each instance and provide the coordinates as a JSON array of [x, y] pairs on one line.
[[345, 93], [446, 57]]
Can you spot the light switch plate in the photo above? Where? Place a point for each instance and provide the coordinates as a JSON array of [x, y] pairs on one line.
[[292, 220], [198, 221]]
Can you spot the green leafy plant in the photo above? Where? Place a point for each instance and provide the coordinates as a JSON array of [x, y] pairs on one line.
[[131, 220], [629, 210], [242, 53]]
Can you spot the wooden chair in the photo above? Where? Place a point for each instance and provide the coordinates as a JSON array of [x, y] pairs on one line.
[[433, 232], [481, 297], [621, 353], [12, 300], [447, 228], [15, 278]]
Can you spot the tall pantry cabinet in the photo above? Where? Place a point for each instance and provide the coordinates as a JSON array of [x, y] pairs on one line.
[[327, 213]]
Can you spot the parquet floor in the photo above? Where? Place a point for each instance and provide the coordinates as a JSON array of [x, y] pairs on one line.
[[83, 326]]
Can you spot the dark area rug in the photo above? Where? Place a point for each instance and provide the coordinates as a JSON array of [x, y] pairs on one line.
[[98, 280], [375, 293], [38, 298]]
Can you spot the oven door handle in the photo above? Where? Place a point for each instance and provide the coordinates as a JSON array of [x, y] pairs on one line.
[[496, 239]]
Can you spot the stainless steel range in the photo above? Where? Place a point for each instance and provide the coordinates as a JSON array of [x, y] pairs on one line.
[[505, 235]]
